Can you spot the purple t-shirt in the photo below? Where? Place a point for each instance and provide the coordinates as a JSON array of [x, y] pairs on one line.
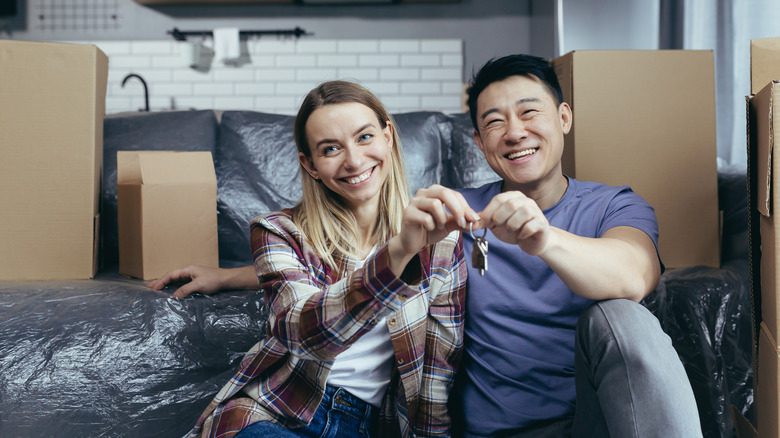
[[518, 363]]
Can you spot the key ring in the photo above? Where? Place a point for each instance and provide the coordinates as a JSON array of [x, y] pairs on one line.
[[471, 231]]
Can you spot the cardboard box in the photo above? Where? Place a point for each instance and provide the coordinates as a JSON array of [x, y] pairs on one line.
[[768, 392], [166, 211], [646, 119], [52, 103], [764, 62], [764, 121]]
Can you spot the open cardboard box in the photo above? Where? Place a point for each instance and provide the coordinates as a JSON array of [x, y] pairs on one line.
[[766, 123], [166, 211]]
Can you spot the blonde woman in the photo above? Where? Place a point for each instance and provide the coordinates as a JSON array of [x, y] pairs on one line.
[[365, 290]]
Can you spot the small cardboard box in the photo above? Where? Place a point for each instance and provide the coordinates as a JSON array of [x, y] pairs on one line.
[[646, 119], [166, 211], [764, 122], [52, 103], [768, 391], [764, 62]]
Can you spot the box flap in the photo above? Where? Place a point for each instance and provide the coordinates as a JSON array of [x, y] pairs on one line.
[[765, 117], [764, 62], [128, 168], [164, 167]]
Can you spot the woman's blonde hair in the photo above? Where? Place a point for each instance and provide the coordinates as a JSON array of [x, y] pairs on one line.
[[327, 223]]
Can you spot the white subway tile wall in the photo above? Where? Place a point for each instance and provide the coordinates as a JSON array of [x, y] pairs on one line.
[[274, 75]]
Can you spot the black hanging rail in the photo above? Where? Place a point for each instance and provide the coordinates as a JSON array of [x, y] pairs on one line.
[[180, 35]]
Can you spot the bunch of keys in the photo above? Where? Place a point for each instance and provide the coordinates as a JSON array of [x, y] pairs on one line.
[[479, 253]]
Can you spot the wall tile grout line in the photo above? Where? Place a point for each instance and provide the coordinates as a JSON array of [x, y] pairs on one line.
[[273, 75]]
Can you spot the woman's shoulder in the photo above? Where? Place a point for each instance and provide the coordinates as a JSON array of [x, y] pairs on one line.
[[277, 221]]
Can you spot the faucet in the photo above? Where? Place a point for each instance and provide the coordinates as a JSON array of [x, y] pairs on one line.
[[146, 89]]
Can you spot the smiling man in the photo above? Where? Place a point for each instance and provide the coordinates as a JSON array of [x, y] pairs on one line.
[[556, 343]]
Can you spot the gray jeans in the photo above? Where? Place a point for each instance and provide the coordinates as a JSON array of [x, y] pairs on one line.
[[630, 381]]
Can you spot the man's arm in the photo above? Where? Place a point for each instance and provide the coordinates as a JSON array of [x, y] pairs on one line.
[[623, 263]]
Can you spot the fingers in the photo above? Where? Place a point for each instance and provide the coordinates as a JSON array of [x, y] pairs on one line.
[[443, 208], [514, 218], [188, 274], [186, 290], [176, 275]]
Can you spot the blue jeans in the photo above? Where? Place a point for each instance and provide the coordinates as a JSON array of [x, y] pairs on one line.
[[630, 381], [340, 414]]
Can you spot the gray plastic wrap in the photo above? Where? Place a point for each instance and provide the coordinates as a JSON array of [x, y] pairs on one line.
[[706, 312], [112, 358], [472, 169]]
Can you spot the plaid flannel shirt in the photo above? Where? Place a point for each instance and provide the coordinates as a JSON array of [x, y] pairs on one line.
[[313, 316]]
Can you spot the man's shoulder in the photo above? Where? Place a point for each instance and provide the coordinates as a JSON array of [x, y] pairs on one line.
[[591, 189], [596, 186], [481, 190]]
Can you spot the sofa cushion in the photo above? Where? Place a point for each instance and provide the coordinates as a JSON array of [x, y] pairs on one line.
[[467, 166], [257, 172], [111, 358], [175, 130], [425, 140]]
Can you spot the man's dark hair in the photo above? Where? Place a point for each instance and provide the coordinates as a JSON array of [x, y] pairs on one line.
[[498, 69]]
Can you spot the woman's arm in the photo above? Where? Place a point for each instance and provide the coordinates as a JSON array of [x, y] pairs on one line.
[[444, 342], [311, 316], [206, 280]]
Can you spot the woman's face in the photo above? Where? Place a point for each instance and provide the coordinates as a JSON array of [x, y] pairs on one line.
[[350, 152]]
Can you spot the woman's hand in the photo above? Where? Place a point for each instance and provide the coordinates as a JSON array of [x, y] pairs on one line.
[[206, 280], [431, 215]]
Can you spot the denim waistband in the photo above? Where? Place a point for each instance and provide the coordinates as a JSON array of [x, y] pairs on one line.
[[341, 399]]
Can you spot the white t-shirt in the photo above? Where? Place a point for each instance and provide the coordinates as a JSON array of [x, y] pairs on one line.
[[365, 367]]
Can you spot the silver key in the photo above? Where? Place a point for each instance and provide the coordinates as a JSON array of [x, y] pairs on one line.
[[479, 252]]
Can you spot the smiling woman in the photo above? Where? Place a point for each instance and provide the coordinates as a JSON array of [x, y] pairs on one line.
[[365, 290], [347, 149]]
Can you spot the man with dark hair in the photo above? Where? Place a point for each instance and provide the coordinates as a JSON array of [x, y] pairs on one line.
[[556, 320]]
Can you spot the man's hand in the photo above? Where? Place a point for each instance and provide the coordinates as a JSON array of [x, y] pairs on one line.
[[516, 219]]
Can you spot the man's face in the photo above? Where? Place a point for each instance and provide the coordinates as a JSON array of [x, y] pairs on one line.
[[521, 132]]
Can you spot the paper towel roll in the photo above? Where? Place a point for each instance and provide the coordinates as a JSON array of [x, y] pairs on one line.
[[227, 45]]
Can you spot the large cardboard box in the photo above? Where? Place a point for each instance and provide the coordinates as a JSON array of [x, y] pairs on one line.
[[768, 391], [166, 211], [764, 62], [646, 119], [52, 103], [764, 122]]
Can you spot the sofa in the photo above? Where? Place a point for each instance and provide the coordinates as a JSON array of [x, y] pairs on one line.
[[109, 357]]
